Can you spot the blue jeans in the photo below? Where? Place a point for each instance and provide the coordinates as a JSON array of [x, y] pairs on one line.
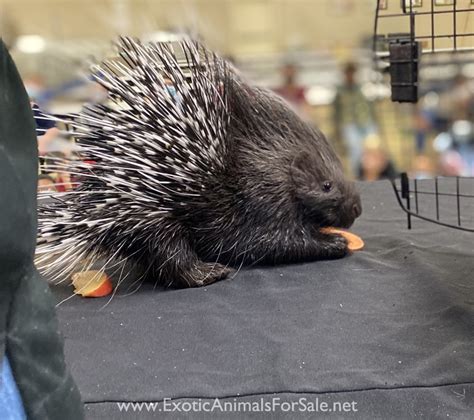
[[354, 138], [11, 406], [467, 153]]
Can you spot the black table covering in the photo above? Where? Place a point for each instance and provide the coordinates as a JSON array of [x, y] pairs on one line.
[[390, 328]]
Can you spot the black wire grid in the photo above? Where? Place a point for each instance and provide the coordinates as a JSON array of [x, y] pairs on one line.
[[426, 199], [404, 50], [409, 11], [445, 201]]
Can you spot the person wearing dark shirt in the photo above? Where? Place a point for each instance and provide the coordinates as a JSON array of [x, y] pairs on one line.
[[46, 130], [291, 91], [353, 117], [43, 123], [375, 163]]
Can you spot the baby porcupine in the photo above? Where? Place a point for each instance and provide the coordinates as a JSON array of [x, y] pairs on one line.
[[193, 171]]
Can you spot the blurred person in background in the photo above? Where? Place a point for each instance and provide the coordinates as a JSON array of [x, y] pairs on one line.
[[375, 163], [423, 168], [353, 117], [48, 136], [46, 130], [291, 91], [457, 103], [46, 183], [52, 163], [97, 94], [422, 124], [36, 90], [451, 164]]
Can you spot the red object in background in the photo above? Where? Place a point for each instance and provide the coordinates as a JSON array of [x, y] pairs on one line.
[[293, 94]]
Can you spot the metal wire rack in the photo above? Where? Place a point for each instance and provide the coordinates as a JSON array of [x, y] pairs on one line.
[[445, 201], [421, 20]]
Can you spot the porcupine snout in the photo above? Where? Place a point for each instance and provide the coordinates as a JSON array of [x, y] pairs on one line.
[[352, 207]]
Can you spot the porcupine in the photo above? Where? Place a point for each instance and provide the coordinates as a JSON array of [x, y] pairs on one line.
[[194, 171]]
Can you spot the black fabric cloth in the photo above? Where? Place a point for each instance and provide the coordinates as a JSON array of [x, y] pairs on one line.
[[28, 326], [390, 328]]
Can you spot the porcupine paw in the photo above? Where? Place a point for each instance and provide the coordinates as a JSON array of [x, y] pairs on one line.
[[208, 273], [334, 246]]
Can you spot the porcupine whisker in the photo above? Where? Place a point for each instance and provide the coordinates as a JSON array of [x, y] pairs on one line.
[[238, 269], [53, 194], [75, 261], [161, 266], [233, 246], [119, 282], [81, 174], [218, 256], [219, 247], [121, 264], [258, 260], [140, 278], [246, 251], [48, 193]]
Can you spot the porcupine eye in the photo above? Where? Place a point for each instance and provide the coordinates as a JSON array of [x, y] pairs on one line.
[[327, 186]]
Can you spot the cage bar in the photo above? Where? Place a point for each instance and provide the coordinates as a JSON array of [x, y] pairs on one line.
[[404, 195]]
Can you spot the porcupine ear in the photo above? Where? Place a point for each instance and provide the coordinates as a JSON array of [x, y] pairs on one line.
[[300, 173]]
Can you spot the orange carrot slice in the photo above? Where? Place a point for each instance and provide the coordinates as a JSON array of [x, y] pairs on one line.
[[355, 243], [92, 283]]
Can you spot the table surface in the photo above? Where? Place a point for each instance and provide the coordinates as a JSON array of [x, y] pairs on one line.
[[390, 328]]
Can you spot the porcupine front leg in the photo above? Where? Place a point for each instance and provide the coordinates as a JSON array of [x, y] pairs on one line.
[[329, 246], [301, 246], [181, 267]]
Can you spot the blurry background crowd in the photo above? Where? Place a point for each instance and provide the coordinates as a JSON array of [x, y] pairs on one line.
[[315, 53]]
